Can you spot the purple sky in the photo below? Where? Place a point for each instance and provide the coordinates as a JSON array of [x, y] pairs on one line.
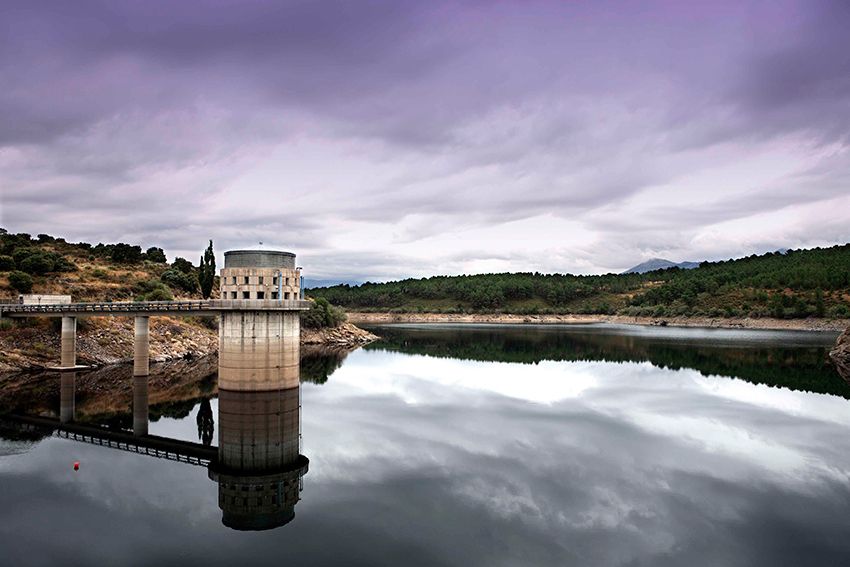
[[388, 139]]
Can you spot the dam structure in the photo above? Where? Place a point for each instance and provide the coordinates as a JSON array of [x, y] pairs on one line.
[[258, 312], [258, 464]]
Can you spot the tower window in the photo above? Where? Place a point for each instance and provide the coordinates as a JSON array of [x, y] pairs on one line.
[[260, 280], [261, 295], [246, 295], [247, 280]]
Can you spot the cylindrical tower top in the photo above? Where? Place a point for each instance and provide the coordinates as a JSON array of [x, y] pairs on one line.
[[259, 259]]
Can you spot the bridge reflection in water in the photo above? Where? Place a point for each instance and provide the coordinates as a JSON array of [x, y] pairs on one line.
[[258, 463]]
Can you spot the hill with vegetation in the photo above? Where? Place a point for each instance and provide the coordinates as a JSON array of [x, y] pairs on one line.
[[790, 284], [102, 272]]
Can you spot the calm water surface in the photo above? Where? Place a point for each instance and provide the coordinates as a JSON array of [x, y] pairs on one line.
[[469, 445]]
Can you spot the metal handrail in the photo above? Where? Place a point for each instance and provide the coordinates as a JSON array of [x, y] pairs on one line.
[[107, 306], [123, 306]]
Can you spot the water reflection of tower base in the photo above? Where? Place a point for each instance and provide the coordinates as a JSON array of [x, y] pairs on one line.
[[140, 405], [259, 465], [67, 383]]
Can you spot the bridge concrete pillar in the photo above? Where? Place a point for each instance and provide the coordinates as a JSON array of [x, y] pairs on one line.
[[258, 350], [141, 347], [69, 342], [67, 385], [140, 405]]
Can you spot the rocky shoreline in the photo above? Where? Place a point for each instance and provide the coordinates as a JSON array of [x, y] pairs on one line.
[[840, 355], [109, 340], [346, 335], [506, 318]]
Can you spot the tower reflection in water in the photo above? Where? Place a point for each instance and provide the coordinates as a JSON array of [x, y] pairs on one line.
[[259, 465]]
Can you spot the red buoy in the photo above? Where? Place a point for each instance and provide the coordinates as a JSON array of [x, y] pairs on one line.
[[76, 465]]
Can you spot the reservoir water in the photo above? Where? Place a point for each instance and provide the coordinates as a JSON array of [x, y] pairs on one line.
[[446, 445]]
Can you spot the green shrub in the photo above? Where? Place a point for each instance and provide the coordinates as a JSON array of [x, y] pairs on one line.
[[180, 280], [37, 261], [125, 253], [322, 314], [840, 312], [21, 281], [152, 290], [21, 254], [61, 264], [159, 294], [7, 263], [155, 255], [38, 264], [183, 265]]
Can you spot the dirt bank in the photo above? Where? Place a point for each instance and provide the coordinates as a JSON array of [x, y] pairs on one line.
[[109, 340], [728, 323]]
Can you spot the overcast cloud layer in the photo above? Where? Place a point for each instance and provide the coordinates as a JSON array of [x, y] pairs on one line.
[[390, 139]]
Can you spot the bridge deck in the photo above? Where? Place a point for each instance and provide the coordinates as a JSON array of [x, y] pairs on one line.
[[140, 308]]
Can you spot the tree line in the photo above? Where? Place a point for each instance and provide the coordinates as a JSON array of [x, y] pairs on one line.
[[796, 283]]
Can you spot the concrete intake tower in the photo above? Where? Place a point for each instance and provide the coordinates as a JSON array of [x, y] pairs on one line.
[[252, 337], [259, 465]]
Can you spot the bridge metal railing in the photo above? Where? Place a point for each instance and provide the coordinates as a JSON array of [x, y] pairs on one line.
[[107, 307], [135, 447]]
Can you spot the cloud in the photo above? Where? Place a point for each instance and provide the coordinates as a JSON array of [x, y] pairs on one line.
[[369, 131]]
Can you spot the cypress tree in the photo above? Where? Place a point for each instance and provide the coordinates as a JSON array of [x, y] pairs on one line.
[[206, 273]]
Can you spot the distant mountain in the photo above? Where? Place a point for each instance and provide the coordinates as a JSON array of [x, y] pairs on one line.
[[313, 283], [660, 264]]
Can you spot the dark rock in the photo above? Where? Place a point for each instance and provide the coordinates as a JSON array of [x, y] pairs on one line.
[[840, 355]]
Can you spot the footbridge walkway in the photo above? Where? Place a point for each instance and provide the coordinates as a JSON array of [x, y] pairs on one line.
[[149, 308], [142, 311]]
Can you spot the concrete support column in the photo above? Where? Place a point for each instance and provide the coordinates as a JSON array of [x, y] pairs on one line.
[[140, 405], [67, 383], [258, 350], [69, 342], [141, 346]]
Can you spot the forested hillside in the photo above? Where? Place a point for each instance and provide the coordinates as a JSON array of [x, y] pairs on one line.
[[102, 272], [794, 284]]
